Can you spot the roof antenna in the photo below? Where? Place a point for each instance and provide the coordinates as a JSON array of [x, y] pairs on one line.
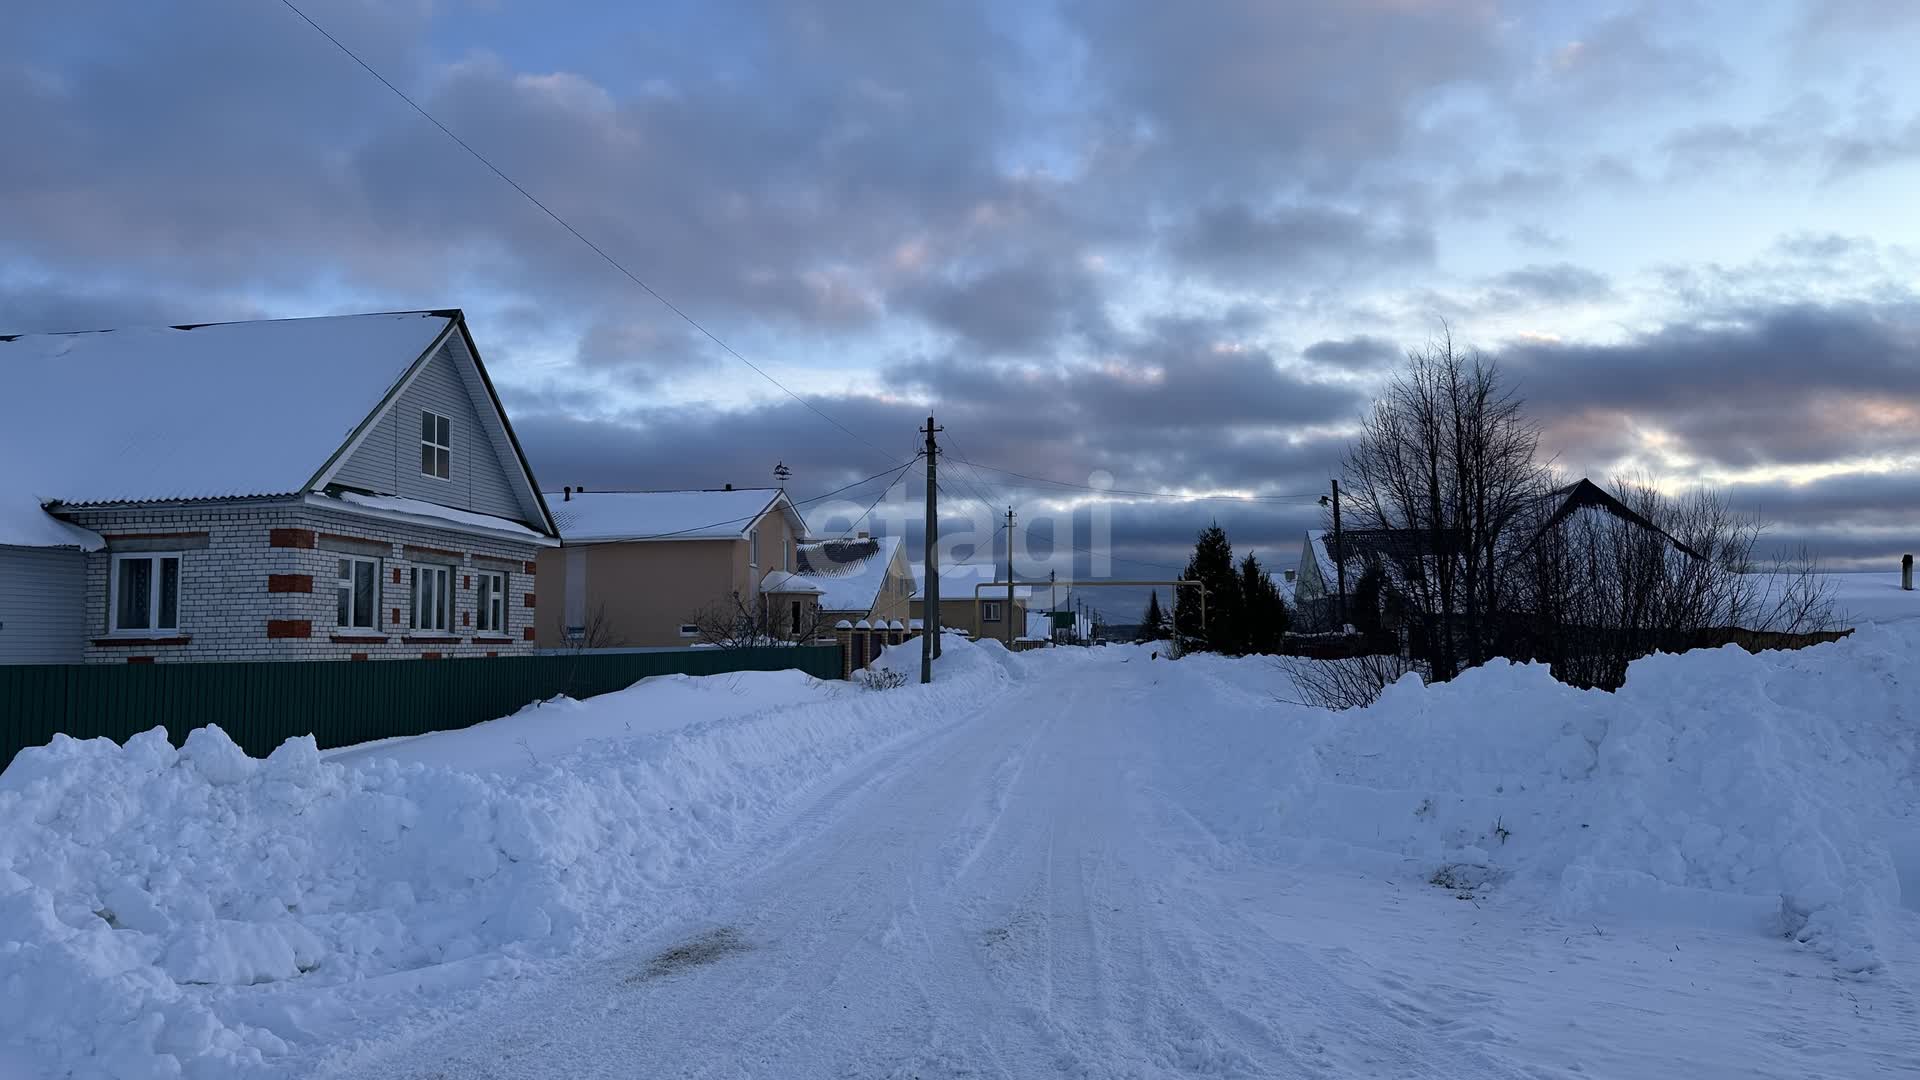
[[782, 473]]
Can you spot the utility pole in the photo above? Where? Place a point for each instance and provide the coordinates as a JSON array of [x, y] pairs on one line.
[[1009, 615], [1053, 603], [930, 606], [1339, 557]]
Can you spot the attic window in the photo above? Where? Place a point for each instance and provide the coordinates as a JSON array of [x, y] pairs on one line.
[[436, 445]]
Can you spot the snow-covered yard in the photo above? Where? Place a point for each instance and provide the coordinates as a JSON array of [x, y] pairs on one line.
[[1083, 862]]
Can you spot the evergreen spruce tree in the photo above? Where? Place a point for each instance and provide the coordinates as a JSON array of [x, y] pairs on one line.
[[1263, 621], [1154, 626], [1212, 566]]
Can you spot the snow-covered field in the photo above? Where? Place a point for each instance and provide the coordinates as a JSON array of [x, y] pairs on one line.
[[1081, 862]]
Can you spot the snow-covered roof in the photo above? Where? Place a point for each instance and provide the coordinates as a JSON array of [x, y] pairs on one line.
[[957, 582], [603, 516], [190, 412], [1323, 558], [195, 413], [786, 581], [849, 573]]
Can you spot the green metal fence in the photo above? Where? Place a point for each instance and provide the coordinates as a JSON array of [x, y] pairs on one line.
[[262, 704]]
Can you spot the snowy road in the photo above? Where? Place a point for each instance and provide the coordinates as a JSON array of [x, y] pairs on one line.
[[1025, 893]]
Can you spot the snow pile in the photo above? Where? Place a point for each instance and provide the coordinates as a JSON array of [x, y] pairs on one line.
[[1774, 791], [143, 889]]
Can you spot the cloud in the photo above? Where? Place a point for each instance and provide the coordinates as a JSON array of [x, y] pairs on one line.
[[1554, 282], [1236, 240], [1359, 353], [1782, 386]]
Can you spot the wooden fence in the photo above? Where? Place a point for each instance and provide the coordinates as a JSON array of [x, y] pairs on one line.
[[262, 704]]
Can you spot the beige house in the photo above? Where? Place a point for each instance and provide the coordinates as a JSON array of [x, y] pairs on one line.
[[960, 611], [647, 568]]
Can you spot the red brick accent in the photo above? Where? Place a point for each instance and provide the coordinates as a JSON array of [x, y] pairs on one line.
[[415, 549], [527, 634], [139, 659], [532, 567], [466, 581], [396, 611], [493, 654], [429, 656], [396, 581], [357, 656], [466, 618], [529, 602], [121, 642], [201, 535], [289, 583], [289, 628], [358, 639], [290, 538]]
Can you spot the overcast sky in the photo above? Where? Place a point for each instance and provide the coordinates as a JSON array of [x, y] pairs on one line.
[[1175, 242]]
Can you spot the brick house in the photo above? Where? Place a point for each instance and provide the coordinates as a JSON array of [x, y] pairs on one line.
[[298, 489]]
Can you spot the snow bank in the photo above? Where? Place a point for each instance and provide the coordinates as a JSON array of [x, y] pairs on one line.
[[1774, 791], [167, 912]]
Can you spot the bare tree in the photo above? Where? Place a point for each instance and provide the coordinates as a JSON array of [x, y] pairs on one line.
[[738, 623], [1660, 573], [1445, 463], [598, 633], [1348, 683]]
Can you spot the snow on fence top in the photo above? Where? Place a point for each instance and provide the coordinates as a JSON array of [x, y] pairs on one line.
[[193, 412], [660, 515]]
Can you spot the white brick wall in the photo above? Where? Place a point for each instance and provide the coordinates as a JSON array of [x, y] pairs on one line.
[[225, 606]]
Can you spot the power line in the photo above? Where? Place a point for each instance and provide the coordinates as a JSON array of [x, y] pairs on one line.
[[562, 222], [1141, 494], [848, 531]]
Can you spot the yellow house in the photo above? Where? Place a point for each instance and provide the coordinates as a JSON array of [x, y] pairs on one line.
[[650, 568], [960, 611]]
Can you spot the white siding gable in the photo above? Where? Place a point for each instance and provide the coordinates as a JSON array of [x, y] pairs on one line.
[[387, 461]]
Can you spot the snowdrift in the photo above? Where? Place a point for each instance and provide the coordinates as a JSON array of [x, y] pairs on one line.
[[154, 901], [1772, 792]]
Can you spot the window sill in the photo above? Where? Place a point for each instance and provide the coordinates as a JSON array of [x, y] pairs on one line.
[[109, 642], [490, 641], [359, 639], [431, 639]]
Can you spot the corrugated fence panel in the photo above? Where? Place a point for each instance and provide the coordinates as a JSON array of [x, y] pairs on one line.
[[260, 705]]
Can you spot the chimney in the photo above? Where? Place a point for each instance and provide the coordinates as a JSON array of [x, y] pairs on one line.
[[729, 487], [863, 535], [1906, 572], [566, 494]]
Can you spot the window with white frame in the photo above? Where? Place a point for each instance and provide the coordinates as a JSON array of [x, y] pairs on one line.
[[990, 611], [146, 591], [492, 601], [356, 593], [688, 629], [753, 547], [432, 598], [436, 445]]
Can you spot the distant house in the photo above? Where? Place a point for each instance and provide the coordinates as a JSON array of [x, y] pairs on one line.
[[986, 616], [644, 568], [866, 577], [330, 488], [1401, 555]]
